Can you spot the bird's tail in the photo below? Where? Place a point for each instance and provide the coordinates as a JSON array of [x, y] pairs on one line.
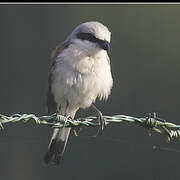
[[57, 145]]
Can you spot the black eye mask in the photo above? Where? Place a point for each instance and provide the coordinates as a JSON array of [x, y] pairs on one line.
[[89, 37]]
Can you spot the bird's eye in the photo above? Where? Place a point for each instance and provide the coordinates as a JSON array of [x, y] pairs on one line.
[[87, 36]]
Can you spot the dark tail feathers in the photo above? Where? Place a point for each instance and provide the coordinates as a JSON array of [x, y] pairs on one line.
[[54, 153]]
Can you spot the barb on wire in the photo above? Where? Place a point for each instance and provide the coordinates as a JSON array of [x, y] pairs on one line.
[[152, 123]]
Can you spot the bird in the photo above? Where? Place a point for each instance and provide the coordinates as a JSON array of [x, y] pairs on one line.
[[80, 73]]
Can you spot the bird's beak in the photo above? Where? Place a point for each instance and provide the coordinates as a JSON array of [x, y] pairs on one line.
[[104, 45]]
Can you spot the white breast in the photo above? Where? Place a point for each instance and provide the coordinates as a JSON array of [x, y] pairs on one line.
[[80, 79]]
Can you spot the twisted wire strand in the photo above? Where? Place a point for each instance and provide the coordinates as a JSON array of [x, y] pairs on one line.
[[152, 122]]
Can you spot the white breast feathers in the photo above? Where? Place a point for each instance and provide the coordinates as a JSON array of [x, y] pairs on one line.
[[80, 79]]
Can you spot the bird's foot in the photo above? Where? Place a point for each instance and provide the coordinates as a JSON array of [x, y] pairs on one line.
[[68, 117], [101, 121]]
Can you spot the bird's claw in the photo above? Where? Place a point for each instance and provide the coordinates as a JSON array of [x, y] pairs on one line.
[[68, 117], [100, 119], [101, 122]]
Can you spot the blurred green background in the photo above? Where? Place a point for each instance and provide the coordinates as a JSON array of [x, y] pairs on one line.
[[145, 59]]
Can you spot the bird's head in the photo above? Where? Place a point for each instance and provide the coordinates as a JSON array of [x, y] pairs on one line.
[[91, 36]]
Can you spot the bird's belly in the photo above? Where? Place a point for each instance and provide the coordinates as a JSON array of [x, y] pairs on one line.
[[85, 89], [80, 90], [81, 84]]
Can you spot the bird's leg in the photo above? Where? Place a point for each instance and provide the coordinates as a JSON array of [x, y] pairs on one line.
[[100, 119], [68, 117], [66, 114]]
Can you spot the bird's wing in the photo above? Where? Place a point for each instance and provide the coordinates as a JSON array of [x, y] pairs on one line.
[[57, 51], [52, 106]]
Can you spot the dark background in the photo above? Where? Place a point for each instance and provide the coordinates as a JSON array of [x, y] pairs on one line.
[[145, 60]]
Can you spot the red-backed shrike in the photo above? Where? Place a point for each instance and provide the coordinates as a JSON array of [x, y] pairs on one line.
[[80, 72]]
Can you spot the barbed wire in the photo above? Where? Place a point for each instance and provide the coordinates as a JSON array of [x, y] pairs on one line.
[[152, 123]]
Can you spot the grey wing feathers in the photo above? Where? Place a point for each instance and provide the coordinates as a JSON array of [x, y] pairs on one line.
[[60, 136], [52, 106]]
